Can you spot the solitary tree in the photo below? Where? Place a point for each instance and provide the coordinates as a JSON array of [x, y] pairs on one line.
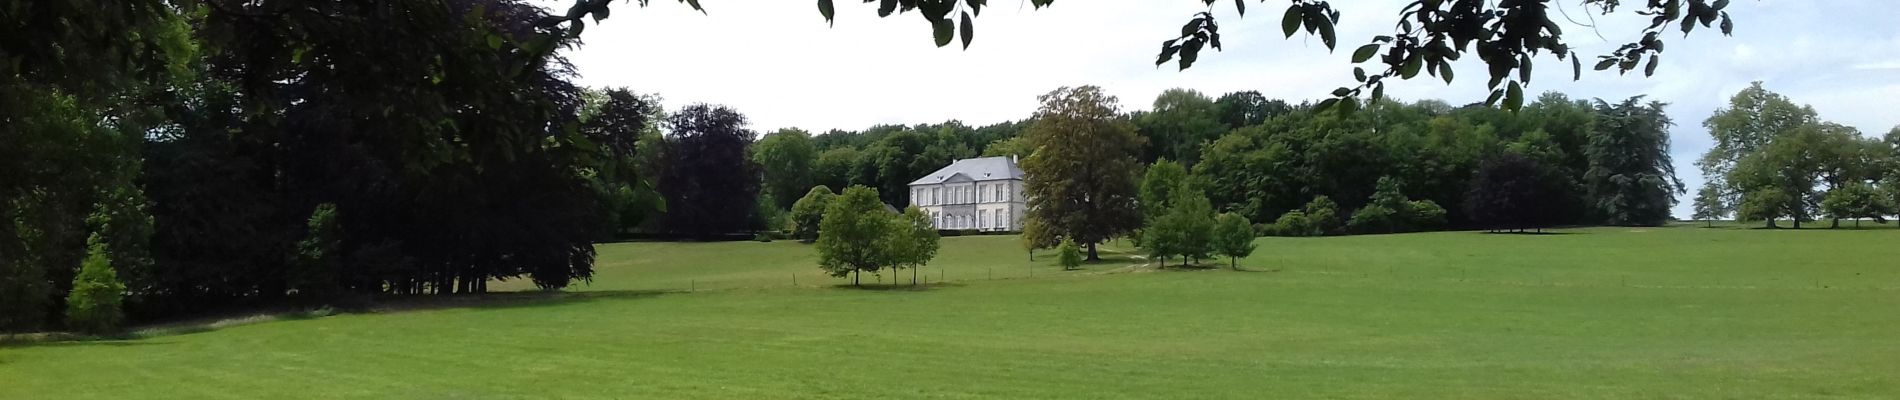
[[918, 240], [1631, 176], [1708, 203], [809, 212], [1081, 181], [711, 184], [93, 305], [855, 234], [1233, 237], [1069, 255]]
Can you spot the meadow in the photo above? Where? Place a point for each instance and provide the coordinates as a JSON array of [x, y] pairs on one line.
[[1675, 312]]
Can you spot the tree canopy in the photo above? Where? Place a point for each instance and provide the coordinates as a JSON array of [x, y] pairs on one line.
[[1081, 181]]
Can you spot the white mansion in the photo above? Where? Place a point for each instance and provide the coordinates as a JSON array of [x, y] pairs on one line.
[[978, 193]]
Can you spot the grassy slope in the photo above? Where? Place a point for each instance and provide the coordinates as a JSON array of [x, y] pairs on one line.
[[1608, 312]]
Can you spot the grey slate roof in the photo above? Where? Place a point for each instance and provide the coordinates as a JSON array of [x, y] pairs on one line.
[[978, 169]]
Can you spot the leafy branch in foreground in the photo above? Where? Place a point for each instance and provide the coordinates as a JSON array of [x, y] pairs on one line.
[[1429, 34]]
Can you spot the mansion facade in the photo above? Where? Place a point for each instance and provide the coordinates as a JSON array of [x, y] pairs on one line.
[[984, 194]]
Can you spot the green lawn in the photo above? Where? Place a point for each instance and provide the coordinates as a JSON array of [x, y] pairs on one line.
[[1679, 312]]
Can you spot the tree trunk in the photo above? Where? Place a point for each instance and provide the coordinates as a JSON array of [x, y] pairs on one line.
[[1797, 222], [854, 277], [1836, 224], [1092, 255], [913, 275], [1235, 262]]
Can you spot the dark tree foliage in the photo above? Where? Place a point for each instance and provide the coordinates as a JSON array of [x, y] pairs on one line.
[[1081, 183], [617, 123], [78, 80], [1631, 176], [711, 183], [1512, 193], [1249, 108], [456, 156]]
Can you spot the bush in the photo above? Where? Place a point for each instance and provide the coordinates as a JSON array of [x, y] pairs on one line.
[[1322, 214], [93, 305], [1372, 218], [1293, 223], [1426, 215], [1069, 255], [315, 274]]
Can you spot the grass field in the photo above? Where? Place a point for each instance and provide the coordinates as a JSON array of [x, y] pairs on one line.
[[1679, 312]]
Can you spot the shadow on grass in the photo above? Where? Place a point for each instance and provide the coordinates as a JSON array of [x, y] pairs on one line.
[[500, 300], [900, 287], [504, 300], [1529, 233]]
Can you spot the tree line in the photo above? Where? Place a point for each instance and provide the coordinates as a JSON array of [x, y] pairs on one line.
[[1776, 160]]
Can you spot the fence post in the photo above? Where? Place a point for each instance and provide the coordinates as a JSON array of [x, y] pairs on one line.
[[794, 279], [692, 285]]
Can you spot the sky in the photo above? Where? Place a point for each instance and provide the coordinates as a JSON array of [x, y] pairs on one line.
[[780, 64]]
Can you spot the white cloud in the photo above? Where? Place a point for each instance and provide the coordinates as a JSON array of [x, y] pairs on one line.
[[778, 62]]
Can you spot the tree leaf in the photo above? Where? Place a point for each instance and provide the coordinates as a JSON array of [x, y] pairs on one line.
[[1241, 6], [1378, 92], [1650, 70], [969, 30], [494, 41], [1359, 74], [1410, 68], [1326, 35], [1341, 92], [1728, 25], [1514, 98], [1606, 64], [942, 29], [1191, 26], [1576, 68], [1444, 71], [885, 7], [1167, 52], [1495, 95], [1291, 23], [1365, 53], [1524, 68], [825, 9], [695, 4]]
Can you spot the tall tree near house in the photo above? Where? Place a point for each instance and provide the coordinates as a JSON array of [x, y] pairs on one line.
[[786, 158], [1631, 175], [1081, 181], [710, 183], [855, 234], [1233, 237]]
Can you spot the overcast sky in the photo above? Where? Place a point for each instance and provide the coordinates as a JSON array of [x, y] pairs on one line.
[[779, 63]]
